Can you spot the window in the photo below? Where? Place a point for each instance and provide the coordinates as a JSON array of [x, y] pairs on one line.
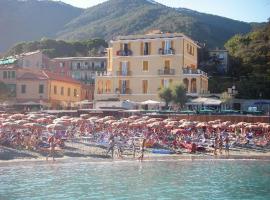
[[166, 83], [41, 89], [62, 64], [5, 75], [78, 65], [145, 66], [108, 86], [190, 49], [23, 89], [145, 86], [100, 87], [167, 65], [13, 74], [55, 89], [168, 45], [62, 90], [102, 65], [147, 48], [68, 92], [75, 93]]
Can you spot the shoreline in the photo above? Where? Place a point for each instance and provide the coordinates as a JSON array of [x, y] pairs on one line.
[[148, 157]]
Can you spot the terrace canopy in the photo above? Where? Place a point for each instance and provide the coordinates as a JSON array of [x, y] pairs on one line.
[[205, 101], [150, 102]]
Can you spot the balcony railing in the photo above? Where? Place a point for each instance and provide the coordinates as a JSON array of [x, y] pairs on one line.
[[166, 72], [123, 73], [193, 71], [170, 51], [123, 91], [124, 53]]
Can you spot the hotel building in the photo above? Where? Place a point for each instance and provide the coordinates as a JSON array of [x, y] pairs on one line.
[[138, 65]]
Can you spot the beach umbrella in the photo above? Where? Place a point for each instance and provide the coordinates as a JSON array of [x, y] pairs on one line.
[[155, 124], [35, 126], [84, 116], [186, 124], [44, 120], [17, 116], [56, 127], [183, 120], [109, 118], [201, 124], [134, 117], [21, 122], [65, 117], [12, 125], [179, 131]]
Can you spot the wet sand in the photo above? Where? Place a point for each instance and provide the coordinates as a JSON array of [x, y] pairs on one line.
[[97, 153]]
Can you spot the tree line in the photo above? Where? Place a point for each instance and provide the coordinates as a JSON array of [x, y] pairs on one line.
[[59, 48]]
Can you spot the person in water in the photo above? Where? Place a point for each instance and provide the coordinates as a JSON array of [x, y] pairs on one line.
[[142, 149]]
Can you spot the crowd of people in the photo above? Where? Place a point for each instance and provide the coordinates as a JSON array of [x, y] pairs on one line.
[[136, 133]]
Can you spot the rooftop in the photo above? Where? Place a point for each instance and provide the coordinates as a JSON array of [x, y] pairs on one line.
[[44, 75], [79, 58], [153, 35]]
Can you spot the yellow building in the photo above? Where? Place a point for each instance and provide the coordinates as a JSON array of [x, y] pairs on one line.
[[138, 65], [47, 89]]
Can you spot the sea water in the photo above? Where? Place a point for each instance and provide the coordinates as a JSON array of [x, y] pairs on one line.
[[163, 179]]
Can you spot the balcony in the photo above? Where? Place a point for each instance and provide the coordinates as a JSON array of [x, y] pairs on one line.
[[166, 72], [124, 53], [123, 91], [190, 71], [123, 73], [170, 51]]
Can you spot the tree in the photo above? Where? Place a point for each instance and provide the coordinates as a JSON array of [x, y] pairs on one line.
[[165, 94], [226, 98], [179, 95]]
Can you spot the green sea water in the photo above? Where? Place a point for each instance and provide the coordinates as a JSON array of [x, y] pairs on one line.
[[163, 179]]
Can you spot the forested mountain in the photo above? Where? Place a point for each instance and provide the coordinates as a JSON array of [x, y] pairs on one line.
[[250, 65], [28, 20], [121, 17], [31, 20]]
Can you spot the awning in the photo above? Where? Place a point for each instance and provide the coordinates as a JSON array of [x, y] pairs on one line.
[[205, 101], [150, 102]]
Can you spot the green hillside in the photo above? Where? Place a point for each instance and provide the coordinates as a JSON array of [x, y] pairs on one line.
[[31, 20], [250, 65], [122, 17]]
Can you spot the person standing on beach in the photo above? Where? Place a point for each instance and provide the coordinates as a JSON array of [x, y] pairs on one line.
[[220, 144], [142, 149], [215, 145], [111, 145], [227, 148], [51, 141]]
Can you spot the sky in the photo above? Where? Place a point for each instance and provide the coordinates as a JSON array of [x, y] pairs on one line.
[[243, 10]]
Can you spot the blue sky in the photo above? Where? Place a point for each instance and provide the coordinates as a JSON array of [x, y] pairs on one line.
[[244, 10]]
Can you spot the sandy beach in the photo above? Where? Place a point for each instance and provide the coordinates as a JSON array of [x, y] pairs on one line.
[[89, 152]]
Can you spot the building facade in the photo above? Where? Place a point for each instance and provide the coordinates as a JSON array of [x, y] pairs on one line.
[[8, 76], [138, 65], [221, 57], [47, 89], [83, 69]]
